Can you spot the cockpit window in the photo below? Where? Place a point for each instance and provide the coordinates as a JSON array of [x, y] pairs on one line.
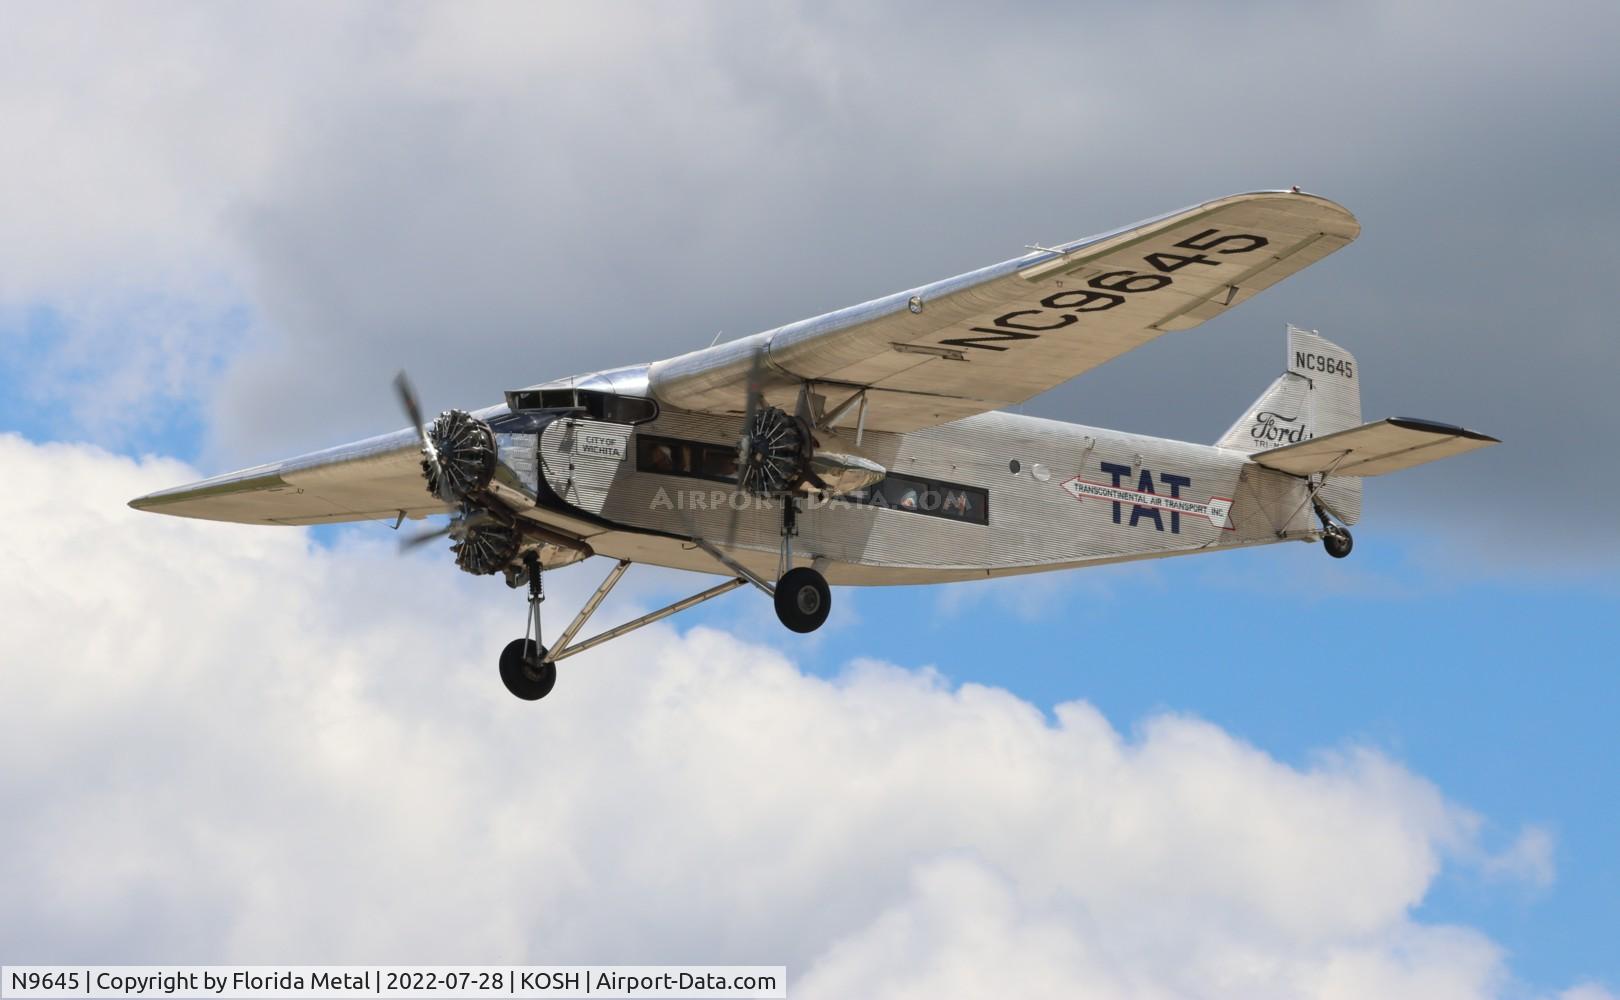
[[623, 409], [598, 405]]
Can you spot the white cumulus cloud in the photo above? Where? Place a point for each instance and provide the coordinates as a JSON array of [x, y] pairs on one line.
[[229, 744]]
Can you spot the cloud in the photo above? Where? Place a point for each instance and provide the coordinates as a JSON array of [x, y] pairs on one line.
[[501, 194], [1528, 860], [229, 744], [962, 930]]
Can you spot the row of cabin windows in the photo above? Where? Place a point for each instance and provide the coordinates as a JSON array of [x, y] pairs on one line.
[[718, 462]]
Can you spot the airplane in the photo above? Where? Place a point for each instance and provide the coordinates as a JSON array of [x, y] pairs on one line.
[[872, 446]]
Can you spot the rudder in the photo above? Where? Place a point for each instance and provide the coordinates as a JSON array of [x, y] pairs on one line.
[[1318, 393]]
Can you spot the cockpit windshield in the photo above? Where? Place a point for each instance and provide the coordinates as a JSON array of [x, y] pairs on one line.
[[597, 405]]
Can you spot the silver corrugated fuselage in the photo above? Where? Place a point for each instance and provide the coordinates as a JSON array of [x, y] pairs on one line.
[[1080, 495]]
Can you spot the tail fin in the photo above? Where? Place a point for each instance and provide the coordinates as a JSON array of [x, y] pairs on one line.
[[1317, 394]]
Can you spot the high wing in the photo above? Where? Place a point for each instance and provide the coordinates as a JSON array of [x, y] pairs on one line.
[[997, 336], [377, 478], [984, 340]]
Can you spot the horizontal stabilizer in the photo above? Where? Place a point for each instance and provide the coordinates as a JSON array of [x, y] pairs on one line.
[[1374, 449]]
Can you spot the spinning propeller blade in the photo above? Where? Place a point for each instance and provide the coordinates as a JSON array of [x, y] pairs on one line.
[[745, 445], [413, 411], [756, 387], [420, 538]]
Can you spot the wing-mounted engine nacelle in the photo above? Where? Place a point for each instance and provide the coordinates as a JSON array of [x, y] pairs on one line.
[[489, 540], [841, 474], [774, 454], [483, 544], [550, 550], [779, 456]]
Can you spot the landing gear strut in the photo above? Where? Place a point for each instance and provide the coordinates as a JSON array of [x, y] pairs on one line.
[[801, 595], [526, 670], [529, 670]]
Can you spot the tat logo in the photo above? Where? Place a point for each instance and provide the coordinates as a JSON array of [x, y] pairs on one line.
[[1146, 503], [1276, 430]]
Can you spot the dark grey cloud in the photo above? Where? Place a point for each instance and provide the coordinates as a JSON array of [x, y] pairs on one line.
[[491, 196]]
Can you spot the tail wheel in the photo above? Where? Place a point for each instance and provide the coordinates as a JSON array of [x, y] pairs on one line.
[[524, 671], [1337, 541]]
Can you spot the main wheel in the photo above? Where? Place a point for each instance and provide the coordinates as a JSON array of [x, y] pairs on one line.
[[524, 673], [1338, 542], [802, 599]]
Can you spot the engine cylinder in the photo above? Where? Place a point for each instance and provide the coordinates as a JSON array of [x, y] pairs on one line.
[[486, 548], [465, 447], [774, 453]]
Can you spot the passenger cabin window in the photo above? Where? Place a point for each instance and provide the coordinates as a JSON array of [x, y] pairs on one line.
[[605, 406], [932, 497], [718, 463], [694, 459]]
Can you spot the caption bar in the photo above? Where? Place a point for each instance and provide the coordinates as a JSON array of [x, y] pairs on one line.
[[361, 982]]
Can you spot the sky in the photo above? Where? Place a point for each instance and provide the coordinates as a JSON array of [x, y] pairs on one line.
[[1255, 774]]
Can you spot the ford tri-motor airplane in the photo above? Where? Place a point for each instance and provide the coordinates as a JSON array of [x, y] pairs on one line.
[[869, 445]]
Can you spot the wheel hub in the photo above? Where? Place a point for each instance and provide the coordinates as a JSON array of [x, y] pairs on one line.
[[809, 600]]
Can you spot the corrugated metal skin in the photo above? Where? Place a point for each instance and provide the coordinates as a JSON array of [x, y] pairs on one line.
[[1280, 412], [1319, 393], [518, 466], [1031, 522], [1042, 298], [1335, 406]]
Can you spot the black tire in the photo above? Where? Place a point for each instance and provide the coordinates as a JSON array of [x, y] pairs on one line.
[[1338, 542], [522, 671], [803, 600]]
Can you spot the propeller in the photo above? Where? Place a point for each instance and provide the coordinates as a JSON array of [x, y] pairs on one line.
[[755, 389], [458, 449], [482, 543], [413, 411], [421, 538], [458, 461], [774, 446]]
